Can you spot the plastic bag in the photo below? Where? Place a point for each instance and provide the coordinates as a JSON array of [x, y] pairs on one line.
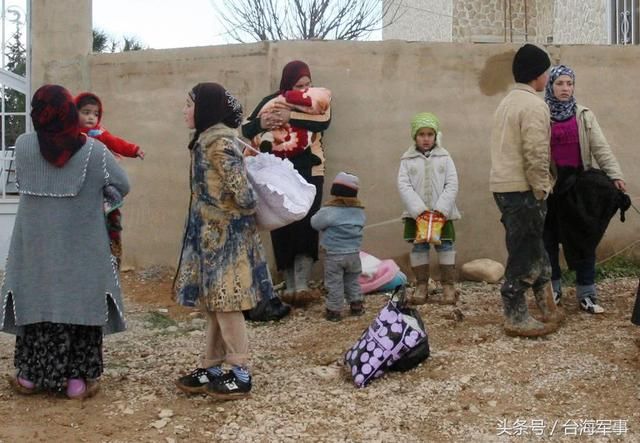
[[284, 196], [429, 227]]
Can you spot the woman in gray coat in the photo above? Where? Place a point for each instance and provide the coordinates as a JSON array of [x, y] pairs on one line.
[[61, 291]]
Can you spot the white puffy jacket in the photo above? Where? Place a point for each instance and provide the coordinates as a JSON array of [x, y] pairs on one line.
[[437, 194]]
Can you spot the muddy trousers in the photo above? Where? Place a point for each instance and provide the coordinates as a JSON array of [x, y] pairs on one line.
[[227, 340], [527, 263]]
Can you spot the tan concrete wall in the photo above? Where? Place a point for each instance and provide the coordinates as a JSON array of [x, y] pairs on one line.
[[61, 38], [377, 88]]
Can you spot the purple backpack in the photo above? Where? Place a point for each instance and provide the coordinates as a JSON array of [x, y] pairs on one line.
[[394, 332]]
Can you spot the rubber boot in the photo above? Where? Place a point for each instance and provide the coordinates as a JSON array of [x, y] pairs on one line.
[[448, 279], [518, 322], [550, 313], [290, 286], [421, 291], [302, 272]]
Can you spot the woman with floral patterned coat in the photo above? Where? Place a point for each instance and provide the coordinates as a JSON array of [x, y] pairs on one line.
[[222, 266]]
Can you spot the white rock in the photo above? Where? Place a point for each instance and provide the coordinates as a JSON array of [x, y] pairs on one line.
[[492, 403], [128, 411], [165, 413], [482, 269], [159, 424], [163, 310], [172, 329]]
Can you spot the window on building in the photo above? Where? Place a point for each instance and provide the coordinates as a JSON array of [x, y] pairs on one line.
[[14, 80], [624, 22]]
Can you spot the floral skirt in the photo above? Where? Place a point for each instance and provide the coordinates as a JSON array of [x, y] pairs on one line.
[[48, 354]]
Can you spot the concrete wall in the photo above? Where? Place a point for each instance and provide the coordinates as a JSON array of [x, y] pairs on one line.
[[377, 88], [61, 38]]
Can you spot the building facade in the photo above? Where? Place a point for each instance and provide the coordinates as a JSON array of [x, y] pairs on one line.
[[537, 21]]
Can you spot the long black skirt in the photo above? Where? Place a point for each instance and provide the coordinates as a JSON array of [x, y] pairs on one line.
[[298, 238], [48, 354]]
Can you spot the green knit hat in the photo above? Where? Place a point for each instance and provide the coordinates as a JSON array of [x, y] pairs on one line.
[[424, 120]]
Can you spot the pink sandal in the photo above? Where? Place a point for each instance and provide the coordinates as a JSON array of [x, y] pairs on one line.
[[79, 389], [22, 385]]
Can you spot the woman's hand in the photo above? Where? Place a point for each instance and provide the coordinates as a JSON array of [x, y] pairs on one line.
[[620, 184], [275, 119]]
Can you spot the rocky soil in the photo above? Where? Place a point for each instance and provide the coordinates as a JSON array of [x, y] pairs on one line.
[[580, 384]]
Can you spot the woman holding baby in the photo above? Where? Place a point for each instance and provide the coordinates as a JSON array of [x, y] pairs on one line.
[[288, 132]]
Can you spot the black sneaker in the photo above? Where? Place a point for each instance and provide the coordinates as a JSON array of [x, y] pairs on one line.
[[268, 310], [333, 315], [229, 387], [557, 296], [196, 382], [589, 305]]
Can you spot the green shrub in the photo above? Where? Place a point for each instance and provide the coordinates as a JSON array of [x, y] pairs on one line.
[[616, 267]]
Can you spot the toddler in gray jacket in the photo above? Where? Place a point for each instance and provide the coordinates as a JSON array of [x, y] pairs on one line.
[[340, 222]]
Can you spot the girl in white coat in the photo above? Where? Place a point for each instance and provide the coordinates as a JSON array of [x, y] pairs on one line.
[[428, 181]]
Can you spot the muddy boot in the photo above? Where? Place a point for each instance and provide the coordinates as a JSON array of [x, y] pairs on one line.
[[421, 291], [301, 273], [550, 313], [448, 279], [290, 286], [518, 322]]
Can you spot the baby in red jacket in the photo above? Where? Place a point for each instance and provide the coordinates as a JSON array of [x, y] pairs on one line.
[[90, 113], [90, 110]]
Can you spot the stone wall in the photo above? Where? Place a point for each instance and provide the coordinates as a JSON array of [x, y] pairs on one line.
[[501, 20], [422, 21], [581, 22], [547, 21]]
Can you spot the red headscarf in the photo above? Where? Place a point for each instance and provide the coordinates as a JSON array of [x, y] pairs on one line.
[[55, 119], [291, 73], [212, 105]]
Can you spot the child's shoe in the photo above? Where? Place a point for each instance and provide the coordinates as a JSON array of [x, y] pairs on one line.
[[333, 315], [196, 382], [356, 308], [231, 386]]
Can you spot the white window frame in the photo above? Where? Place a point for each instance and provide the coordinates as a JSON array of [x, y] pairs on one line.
[[10, 13]]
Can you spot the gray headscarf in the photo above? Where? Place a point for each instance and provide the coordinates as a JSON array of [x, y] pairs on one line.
[[560, 110]]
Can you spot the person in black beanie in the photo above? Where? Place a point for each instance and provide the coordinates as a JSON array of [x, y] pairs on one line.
[[341, 222], [521, 180]]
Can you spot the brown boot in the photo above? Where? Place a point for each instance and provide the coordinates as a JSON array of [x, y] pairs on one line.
[[518, 322], [448, 279], [421, 291], [550, 313]]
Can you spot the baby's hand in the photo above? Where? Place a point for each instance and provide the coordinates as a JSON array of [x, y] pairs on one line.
[[140, 154]]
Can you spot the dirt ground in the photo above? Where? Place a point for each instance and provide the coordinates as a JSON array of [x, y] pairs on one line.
[[580, 384]]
